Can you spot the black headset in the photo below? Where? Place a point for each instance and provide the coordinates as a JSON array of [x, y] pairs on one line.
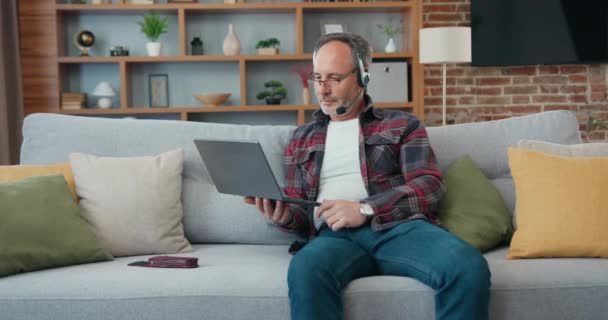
[[363, 76]]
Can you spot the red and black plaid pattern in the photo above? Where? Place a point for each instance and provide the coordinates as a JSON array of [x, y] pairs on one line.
[[398, 166]]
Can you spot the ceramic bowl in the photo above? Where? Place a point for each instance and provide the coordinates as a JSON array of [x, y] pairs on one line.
[[212, 99]]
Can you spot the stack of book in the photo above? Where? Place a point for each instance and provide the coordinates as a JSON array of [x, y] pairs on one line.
[[73, 100]]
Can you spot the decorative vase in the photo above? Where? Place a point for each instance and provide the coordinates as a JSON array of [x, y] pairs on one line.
[[153, 48], [390, 46], [305, 96], [231, 45], [196, 46]]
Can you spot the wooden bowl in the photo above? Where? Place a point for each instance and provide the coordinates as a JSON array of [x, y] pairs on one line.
[[212, 99]]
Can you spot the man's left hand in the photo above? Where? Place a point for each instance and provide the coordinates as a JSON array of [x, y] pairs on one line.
[[340, 214]]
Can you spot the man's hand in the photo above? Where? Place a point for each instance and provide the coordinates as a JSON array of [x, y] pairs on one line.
[[275, 211], [340, 214]]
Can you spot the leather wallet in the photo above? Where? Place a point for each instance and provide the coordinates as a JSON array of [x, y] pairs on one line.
[[167, 262]]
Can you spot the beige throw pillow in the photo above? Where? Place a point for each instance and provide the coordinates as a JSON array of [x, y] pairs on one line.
[[597, 149], [133, 204]]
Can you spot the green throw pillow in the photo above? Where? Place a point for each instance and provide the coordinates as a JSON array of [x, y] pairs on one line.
[[472, 208], [41, 227]]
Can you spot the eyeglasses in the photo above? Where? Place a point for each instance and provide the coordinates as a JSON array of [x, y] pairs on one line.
[[332, 81]]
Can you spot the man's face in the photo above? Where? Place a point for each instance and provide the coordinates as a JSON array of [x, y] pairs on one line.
[[333, 66]]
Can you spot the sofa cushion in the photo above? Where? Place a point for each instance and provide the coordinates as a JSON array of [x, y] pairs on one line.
[[41, 227], [134, 204], [561, 205], [12, 173], [237, 282], [472, 208]]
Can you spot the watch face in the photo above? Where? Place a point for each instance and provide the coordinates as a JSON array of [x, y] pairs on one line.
[[366, 210]]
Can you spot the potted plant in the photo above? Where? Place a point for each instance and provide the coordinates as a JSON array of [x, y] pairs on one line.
[[303, 71], [268, 46], [389, 31], [276, 93], [153, 27]]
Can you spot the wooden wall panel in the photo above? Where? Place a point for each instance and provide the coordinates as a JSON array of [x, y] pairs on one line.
[[38, 45]]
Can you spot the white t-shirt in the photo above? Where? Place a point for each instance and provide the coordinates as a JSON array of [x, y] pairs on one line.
[[341, 170]]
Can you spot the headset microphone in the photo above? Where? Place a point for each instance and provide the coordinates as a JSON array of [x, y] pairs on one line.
[[342, 109]]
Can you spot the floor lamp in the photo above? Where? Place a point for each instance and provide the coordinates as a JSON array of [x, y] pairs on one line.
[[445, 45]]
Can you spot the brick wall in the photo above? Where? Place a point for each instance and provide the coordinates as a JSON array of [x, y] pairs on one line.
[[488, 93]]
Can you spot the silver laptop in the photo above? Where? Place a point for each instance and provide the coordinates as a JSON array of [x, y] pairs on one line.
[[241, 168]]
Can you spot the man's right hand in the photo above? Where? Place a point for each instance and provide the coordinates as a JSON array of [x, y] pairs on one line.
[[275, 211]]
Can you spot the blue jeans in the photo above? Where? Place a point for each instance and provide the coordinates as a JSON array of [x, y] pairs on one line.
[[418, 249]]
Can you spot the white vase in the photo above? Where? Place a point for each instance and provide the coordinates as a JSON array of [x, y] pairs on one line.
[[390, 46], [232, 44], [153, 48], [305, 96]]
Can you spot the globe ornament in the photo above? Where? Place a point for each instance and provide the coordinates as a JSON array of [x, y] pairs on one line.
[[84, 40]]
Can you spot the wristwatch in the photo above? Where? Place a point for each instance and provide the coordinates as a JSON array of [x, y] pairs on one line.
[[366, 210]]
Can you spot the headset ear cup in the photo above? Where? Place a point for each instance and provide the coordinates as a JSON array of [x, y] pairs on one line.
[[365, 79], [362, 75]]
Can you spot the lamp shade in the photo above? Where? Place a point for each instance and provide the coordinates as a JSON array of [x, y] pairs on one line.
[[104, 89], [445, 45]]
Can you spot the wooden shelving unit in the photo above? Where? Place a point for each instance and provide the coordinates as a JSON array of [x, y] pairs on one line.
[[410, 9]]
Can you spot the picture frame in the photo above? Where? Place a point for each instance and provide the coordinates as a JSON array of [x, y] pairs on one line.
[[158, 90], [331, 27]]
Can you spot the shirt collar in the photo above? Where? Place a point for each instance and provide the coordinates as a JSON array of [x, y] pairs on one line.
[[368, 112]]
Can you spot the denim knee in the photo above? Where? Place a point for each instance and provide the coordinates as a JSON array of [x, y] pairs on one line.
[[303, 273], [473, 272]]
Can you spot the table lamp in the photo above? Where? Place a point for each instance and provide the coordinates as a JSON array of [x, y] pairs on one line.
[[445, 45], [105, 91]]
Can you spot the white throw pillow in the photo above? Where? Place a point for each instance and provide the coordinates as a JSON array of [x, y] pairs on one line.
[[133, 204]]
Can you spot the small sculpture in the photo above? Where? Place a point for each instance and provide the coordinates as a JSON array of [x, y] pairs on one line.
[[84, 40]]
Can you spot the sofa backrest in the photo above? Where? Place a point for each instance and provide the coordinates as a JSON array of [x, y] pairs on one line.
[[211, 217], [487, 143]]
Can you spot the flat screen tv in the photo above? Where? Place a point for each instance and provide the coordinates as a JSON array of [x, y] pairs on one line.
[[525, 32]]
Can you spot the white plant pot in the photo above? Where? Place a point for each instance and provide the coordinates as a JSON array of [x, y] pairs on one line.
[[154, 48], [390, 46]]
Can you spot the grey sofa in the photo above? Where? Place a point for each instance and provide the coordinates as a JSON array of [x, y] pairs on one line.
[[244, 259]]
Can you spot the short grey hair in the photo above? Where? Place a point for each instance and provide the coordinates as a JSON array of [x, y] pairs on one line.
[[359, 47]]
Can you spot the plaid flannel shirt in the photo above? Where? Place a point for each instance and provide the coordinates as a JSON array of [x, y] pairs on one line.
[[398, 166]]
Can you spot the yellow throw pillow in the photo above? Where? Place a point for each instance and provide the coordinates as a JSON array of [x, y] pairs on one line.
[[562, 208], [14, 173]]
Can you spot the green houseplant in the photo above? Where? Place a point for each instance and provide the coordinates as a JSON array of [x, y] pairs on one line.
[[276, 93], [153, 27], [268, 46], [390, 32]]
